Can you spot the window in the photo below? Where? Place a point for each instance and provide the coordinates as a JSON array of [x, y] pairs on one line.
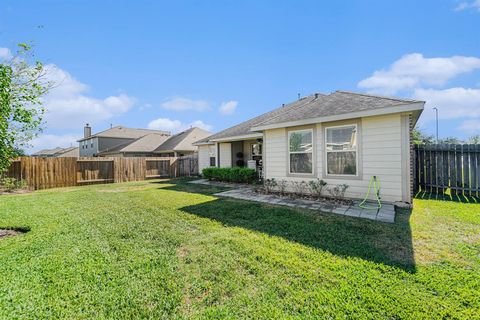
[[212, 154], [341, 150], [256, 149], [300, 151]]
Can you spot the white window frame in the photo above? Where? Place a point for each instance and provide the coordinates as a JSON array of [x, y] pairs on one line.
[[212, 154], [357, 162], [296, 152]]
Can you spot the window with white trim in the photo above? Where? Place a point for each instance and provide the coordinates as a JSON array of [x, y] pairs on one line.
[[212, 155], [341, 150], [300, 151]]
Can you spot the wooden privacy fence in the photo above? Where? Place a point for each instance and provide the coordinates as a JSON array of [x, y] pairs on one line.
[[441, 167], [45, 173]]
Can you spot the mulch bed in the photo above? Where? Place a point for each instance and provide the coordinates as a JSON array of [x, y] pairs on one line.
[[6, 233], [12, 232], [20, 191]]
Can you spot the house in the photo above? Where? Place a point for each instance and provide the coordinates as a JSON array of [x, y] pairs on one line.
[[57, 152], [181, 144], [342, 137], [158, 145], [105, 141]]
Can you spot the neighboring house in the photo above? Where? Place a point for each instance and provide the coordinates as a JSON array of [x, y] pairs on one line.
[[141, 147], [57, 152], [159, 145], [111, 139], [181, 144], [342, 138]]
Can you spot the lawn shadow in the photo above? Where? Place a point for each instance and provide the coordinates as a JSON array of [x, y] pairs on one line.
[[424, 195], [183, 185], [389, 244]]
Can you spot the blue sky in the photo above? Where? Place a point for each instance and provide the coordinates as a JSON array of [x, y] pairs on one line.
[[172, 64]]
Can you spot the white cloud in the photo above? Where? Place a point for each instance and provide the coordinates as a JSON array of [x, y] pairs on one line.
[[228, 108], [451, 103], [164, 124], [471, 126], [182, 104], [200, 124], [5, 54], [50, 141], [176, 125], [468, 5], [68, 106], [414, 70]]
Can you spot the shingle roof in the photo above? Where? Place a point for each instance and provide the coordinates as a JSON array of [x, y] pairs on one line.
[[54, 152], [313, 106], [183, 141], [147, 143], [244, 127], [154, 142], [123, 132]]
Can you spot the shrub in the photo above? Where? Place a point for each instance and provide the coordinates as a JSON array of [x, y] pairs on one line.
[[269, 185], [338, 191], [282, 186], [235, 174], [316, 187], [11, 184], [300, 187]]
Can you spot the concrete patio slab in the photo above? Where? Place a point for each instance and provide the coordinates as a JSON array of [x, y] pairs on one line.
[[385, 214]]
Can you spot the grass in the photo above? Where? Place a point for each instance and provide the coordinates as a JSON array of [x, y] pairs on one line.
[[168, 249]]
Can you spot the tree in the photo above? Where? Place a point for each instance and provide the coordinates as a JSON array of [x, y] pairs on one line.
[[22, 84], [450, 140], [474, 139], [419, 137]]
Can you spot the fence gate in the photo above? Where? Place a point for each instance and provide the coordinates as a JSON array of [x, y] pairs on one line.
[[440, 167]]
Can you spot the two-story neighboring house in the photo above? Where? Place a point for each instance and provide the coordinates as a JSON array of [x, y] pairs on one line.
[[104, 141]]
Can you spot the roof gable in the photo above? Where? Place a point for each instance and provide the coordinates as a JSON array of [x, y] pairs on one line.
[[183, 141]]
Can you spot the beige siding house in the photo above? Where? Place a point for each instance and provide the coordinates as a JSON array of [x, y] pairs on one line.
[[342, 138]]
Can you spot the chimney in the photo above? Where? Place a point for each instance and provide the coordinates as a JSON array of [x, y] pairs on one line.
[[87, 131]]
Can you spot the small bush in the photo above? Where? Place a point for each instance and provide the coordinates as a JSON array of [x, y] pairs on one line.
[[338, 191], [235, 174], [316, 187], [11, 184], [283, 186], [269, 185], [300, 188]]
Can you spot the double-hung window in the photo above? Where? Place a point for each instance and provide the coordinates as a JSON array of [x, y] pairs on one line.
[[341, 145], [300, 151]]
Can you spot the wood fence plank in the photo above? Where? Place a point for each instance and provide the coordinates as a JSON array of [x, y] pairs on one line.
[[473, 170]]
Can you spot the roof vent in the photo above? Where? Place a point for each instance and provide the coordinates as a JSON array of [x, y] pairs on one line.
[[316, 95]]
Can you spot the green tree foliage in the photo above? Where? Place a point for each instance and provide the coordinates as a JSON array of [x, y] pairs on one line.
[[420, 137], [22, 84], [450, 140], [474, 139]]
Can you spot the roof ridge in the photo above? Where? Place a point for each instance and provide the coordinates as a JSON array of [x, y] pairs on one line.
[[377, 96], [293, 107]]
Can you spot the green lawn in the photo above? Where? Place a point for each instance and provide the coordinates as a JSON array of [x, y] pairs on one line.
[[167, 249]]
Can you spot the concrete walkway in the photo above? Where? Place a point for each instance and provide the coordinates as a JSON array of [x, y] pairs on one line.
[[385, 214], [245, 192]]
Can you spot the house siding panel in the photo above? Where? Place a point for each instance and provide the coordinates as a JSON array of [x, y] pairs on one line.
[[203, 157], [380, 141], [225, 155]]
